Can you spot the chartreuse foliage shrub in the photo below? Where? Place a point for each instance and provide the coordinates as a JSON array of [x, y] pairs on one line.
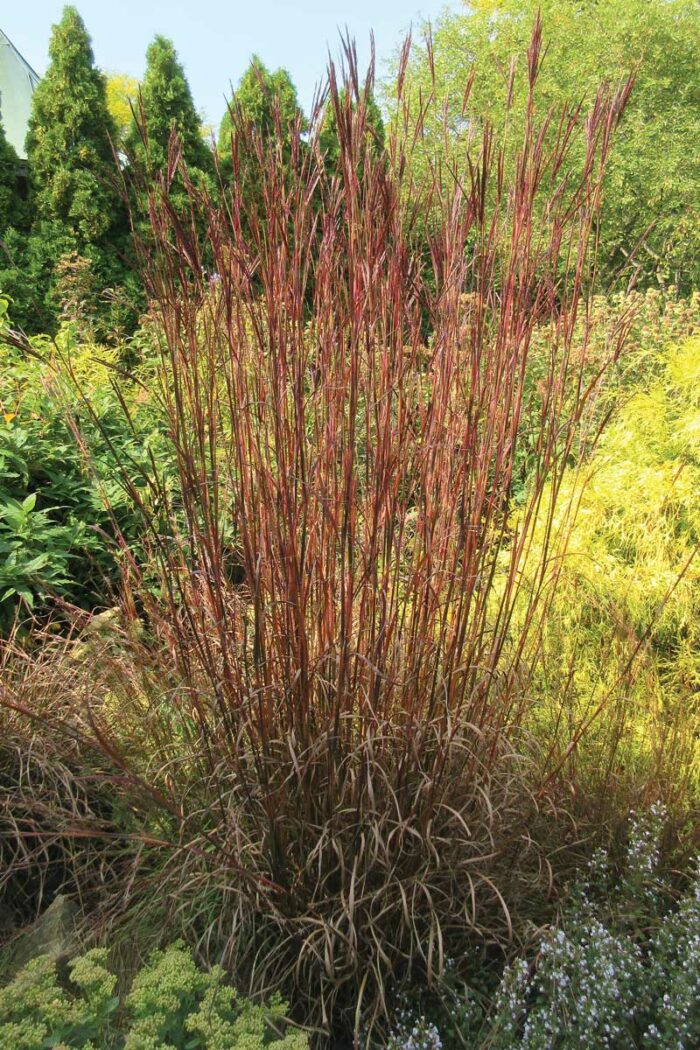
[[645, 326], [172, 1004], [622, 639]]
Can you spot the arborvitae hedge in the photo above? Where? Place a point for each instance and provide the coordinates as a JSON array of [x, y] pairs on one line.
[[258, 97], [167, 105], [12, 210], [328, 135], [77, 208]]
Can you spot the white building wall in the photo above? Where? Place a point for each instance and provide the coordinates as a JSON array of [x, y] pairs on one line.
[[17, 83]]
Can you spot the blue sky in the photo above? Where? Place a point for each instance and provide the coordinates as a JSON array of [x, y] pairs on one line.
[[215, 38]]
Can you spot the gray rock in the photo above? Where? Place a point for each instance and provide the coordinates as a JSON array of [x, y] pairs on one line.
[[52, 934]]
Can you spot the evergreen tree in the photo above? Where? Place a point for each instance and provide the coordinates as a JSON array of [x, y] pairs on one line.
[[260, 94], [14, 216], [264, 103], [12, 210], [328, 134], [77, 210], [167, 106]]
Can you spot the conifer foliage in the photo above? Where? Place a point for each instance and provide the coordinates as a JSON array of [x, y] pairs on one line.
[[372, 123], [10, 202], [14, 217], [166, 106], [266, 104], [262, 100], [77, 209]]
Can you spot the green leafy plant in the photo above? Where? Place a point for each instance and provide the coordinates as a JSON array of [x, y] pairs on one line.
[[37, 1011], [62, 502], [172, 1005], [34, 551]]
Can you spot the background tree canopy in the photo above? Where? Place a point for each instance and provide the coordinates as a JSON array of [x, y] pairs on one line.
[[122, 94], [651, 221]]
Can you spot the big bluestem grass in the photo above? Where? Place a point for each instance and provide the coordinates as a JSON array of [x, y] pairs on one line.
[[312, 745]]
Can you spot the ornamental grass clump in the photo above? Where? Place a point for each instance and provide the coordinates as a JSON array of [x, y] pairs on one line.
[[310, 738]]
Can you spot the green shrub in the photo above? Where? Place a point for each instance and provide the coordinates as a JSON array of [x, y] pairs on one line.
[[172, 1004], [57, 535]]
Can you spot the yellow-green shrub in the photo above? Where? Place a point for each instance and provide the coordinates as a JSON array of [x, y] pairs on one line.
[[172, 1003], [622, 642]]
